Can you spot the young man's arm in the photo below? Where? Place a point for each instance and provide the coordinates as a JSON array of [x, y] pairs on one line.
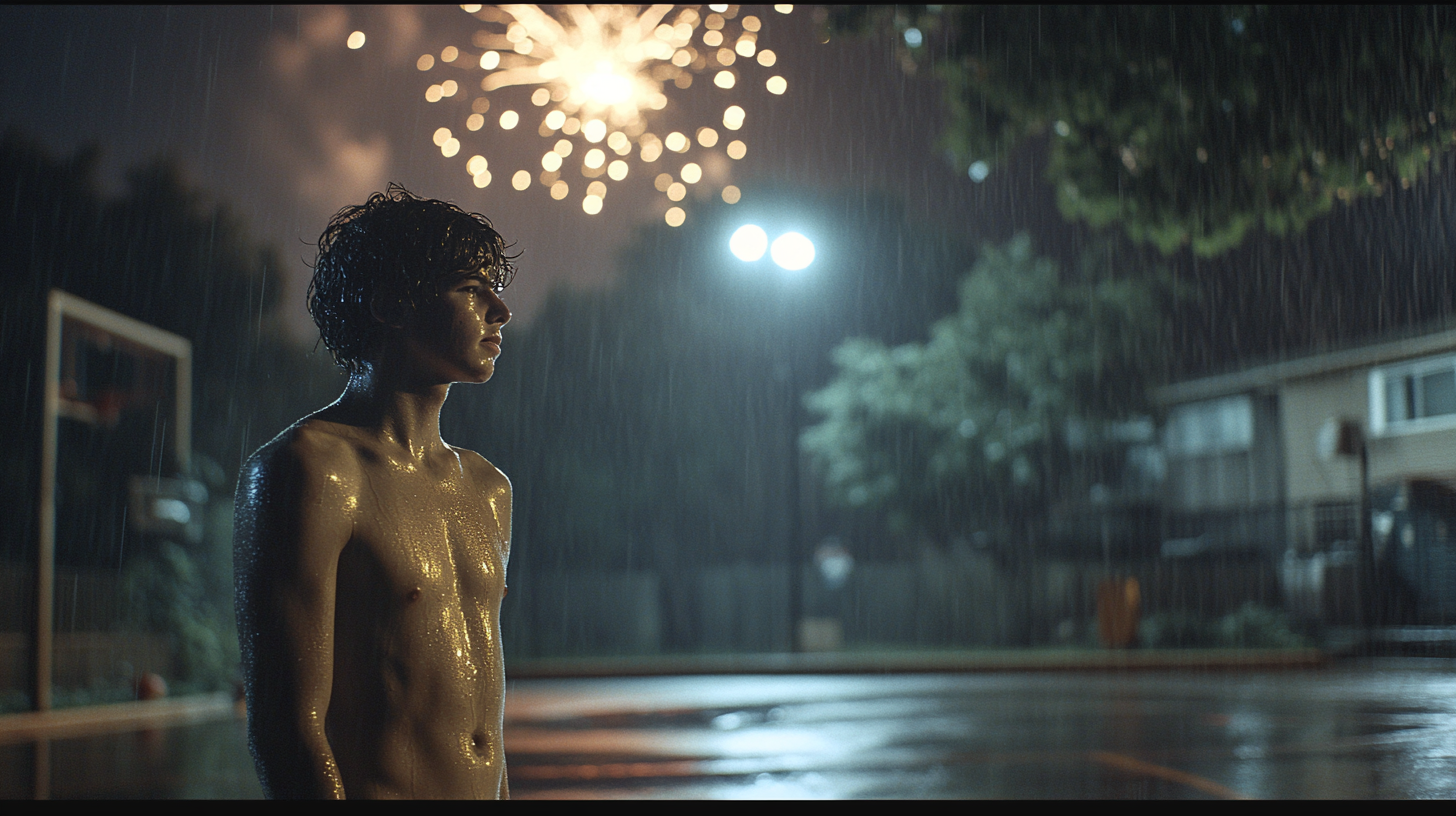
[[503, 498], [497, 492], [293, 518]]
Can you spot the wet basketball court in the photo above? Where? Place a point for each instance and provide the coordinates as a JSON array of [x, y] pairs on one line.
[[1384, 730]]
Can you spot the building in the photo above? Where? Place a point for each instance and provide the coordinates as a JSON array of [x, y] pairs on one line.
[[1267, 462]]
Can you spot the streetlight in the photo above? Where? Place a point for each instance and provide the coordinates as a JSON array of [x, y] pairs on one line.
[[792, 252], [748, 243]]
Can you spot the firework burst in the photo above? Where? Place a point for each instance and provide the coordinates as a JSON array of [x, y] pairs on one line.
[[597, 76]]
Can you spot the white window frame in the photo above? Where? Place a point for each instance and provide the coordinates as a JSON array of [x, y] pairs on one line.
[[1380, 378]]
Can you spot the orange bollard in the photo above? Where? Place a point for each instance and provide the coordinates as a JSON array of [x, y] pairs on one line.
[[1118, 612]]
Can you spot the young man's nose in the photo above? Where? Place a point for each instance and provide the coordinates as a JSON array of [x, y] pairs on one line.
[[498, 311]]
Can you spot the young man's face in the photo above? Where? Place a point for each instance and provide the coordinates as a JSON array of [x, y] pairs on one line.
[[456, 336]]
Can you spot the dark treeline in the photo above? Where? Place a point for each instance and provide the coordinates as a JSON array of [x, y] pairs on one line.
[[651, 425], [164, 253]]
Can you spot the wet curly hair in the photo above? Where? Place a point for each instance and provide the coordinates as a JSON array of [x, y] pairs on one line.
[[393, 250]]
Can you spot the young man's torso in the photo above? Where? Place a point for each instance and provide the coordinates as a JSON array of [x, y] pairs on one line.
[[415, 707]]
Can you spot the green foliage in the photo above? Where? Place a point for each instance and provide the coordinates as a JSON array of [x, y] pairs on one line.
[[167, 592], [1250, 627], [965, 430], [649, 425], [1191, 125], [163, 252]]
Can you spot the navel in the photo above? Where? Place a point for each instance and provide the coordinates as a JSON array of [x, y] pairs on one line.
[[477, 742], [414, 595]]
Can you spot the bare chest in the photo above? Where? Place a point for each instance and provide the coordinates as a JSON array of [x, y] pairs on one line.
[[433, 536]]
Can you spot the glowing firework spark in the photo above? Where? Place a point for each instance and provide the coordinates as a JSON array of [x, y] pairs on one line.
[[600, 72]]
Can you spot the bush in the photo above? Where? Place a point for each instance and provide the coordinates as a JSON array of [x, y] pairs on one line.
[[1251, 627]]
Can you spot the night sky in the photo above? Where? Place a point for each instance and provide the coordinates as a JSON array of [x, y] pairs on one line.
[[268, 109]]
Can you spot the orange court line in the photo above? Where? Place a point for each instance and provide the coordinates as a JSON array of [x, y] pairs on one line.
[[611, 770], [1127, 763]]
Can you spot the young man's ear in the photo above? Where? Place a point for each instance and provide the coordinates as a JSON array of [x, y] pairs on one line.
[[391, 312]]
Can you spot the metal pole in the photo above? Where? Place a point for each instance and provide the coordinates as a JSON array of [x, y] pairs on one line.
[[796, 515], [1367, 581], [45, 569]]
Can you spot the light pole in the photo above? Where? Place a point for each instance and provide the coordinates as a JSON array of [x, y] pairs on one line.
[[791, 252]]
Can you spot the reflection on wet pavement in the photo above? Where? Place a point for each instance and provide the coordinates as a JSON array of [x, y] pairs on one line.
[[1376, 731], [1362, 733]]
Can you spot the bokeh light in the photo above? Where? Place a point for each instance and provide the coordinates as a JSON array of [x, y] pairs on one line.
[[599, 74], [356, 40], [749, 242], [792, 251]]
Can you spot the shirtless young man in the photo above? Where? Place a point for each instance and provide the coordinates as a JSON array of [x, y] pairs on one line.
[[370, 555]]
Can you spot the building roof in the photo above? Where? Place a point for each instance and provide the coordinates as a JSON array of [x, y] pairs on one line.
[[1271, 375]]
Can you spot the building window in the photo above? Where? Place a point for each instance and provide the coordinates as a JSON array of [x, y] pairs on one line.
[[1210, 427], [1413, 396]]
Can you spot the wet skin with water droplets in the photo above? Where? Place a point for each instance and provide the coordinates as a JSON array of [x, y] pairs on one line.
[[402, 696]]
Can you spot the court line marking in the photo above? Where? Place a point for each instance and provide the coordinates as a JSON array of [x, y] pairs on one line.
[[85, 721], [1127, 763]]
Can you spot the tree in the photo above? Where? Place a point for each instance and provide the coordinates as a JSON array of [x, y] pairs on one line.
[[165, 253], [648, 425], [1191, 125], [967, 431]]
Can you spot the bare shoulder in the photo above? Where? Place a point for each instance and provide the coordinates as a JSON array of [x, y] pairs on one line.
[[482, 473], [306, 455], [301, 487], [493, 488]]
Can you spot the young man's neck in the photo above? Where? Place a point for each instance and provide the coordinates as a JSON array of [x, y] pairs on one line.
[[403, 412]]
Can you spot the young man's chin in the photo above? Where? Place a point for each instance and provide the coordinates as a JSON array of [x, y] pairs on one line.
[[480, 375]]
